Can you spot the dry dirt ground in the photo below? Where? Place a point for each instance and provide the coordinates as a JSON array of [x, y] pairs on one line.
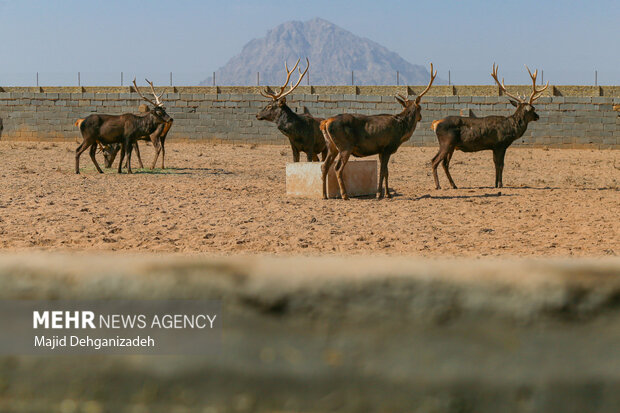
[[225, 199]]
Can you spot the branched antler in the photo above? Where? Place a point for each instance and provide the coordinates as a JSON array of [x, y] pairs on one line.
[[502, 86], [433, 76], [535, 93], [281, 93], [157, 102]]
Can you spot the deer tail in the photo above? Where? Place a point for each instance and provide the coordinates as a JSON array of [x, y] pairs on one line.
[[435, 123]]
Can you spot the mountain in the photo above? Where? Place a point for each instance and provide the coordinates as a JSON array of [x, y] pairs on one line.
[[333, 53]]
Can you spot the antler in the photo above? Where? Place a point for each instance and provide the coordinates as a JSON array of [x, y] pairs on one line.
[[502, 86], [301, 76], [157, 98], [535, 92], [142, 96], [417, 99], [281, 93]]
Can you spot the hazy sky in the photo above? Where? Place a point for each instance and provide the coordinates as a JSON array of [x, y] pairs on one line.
[[568, 39]]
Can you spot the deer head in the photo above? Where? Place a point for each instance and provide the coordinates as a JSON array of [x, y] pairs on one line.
[[524, 106], [414, 105], [159, 111], [273, 108]]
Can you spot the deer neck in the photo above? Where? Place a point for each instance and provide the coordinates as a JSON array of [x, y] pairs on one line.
[[519, 122], [149, 123], [285, 118], [406, 118], [406, 123]]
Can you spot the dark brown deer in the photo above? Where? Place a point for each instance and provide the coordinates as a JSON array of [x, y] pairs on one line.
[[362, 135], [302, 130], [495, 133], [157, 138], [110, 151], [123, 129]]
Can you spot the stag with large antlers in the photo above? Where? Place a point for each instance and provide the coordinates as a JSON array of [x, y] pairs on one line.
[[123, 129], [363, 135], [302, 130], [496, 133]]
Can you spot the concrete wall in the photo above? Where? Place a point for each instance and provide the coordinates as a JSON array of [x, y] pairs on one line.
[[322, 334], [571, 116]]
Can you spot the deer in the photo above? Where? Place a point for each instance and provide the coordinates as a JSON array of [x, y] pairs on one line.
[[495, 133], [157, 138], [366, 135], [302, 130], [110, 151], [123, 129]]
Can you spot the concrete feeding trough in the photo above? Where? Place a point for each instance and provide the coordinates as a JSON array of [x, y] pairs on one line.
[[303, 179]]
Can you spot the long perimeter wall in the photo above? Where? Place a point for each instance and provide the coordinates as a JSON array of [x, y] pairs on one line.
[[570, 116]]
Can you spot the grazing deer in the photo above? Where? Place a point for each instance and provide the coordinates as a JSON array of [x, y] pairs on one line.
[[496, 133], [362, 135], [123, 129], [110, 151], [302, 130], [157, 138]]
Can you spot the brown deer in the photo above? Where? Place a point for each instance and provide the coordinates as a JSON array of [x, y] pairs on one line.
[[363, 135], [157, 138], [496, 133], [110, 151], [302, 130], [124, 129]]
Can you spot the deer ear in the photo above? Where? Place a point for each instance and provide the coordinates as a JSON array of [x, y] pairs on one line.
[[514, 103], [402, 102]]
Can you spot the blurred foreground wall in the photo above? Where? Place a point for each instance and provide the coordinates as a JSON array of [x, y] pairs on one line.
[[349, 334]]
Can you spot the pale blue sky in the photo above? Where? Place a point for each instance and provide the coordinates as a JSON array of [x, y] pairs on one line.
[[569, 40]]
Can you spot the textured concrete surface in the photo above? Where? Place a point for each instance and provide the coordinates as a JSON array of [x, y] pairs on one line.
[[357, 334], [570, 116], [303, 179]]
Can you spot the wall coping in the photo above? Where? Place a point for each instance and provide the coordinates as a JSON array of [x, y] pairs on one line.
[[443, 90]]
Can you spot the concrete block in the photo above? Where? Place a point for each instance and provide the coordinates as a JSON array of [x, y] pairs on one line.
[[303, 179]]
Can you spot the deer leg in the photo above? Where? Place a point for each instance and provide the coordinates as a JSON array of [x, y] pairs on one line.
[[498, 159], [435, 163], [295, 154], [327, 163], [120, 161], [138, 155], [381, 176], [385, 176], [129, 146], [156, 156], [324, 154], [78, 151], [446, 166], [163, 154], [342, 162], [158, 146], [310, 156], [315, 158], [93, 151]]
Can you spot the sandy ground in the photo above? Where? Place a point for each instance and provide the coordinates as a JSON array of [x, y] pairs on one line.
[[225, 199]]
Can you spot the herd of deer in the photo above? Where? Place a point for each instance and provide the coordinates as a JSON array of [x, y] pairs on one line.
[[335, 138], [339, 137]]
